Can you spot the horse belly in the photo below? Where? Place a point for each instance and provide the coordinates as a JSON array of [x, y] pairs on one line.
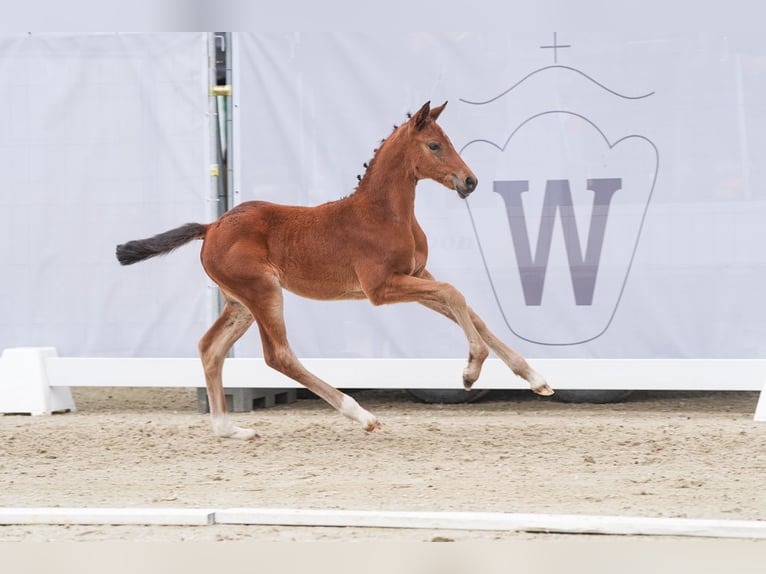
[[323, 287]]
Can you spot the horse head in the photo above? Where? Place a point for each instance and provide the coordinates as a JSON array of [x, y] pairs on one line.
[[432, 154]]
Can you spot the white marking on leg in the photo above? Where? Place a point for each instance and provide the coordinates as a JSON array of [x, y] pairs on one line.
[[223, 427], [539, 385], [351, 409]]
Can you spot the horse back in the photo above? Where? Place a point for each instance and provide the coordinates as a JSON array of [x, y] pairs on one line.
[[305, 248]]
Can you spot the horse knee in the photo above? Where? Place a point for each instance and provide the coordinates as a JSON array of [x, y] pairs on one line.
[[453, 298]]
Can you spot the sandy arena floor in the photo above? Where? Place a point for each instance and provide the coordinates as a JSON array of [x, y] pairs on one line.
[[696, 455]]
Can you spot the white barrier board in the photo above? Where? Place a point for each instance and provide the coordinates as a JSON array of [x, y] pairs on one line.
[[499, 521]]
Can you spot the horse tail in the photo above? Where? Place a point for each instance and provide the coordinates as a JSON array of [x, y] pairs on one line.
[[140, 249]]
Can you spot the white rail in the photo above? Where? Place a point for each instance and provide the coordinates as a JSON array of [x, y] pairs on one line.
[[651, 374], [37, 380], [499, 521]]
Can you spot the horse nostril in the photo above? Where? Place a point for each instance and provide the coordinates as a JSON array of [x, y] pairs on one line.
[[470, 183]]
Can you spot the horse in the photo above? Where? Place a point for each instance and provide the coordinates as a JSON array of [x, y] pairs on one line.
[[367, 245]]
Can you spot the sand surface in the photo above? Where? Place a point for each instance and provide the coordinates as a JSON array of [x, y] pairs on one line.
[[672, 454]]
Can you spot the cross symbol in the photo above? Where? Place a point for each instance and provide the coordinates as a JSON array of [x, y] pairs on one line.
[[555, 46]]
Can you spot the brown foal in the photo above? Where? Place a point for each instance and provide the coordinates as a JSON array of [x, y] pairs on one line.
[[365, 246]]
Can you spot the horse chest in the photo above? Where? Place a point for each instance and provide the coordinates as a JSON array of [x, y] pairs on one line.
[[420, 254], [412, 250]]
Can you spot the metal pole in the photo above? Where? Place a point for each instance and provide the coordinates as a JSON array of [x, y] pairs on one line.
[[234, 71], [221, 170], [230, 150], [215, 303]]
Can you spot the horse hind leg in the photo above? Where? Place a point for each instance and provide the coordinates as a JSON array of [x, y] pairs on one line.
[[213, 347], [267, 310], [280, 356]]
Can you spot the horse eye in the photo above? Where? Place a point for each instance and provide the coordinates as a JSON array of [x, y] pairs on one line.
[[433, 146]]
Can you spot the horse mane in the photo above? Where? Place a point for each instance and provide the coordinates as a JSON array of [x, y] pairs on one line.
[[370, 162]]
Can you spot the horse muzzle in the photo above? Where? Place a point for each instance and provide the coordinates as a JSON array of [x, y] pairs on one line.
[[464, 185]]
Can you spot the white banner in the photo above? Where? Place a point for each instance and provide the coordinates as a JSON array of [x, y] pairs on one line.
[[620, 205], [104, 138]]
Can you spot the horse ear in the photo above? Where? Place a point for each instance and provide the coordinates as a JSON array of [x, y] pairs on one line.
[[420, 119], [436, 112]]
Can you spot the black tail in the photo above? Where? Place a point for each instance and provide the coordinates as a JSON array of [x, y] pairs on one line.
[[140, 249]]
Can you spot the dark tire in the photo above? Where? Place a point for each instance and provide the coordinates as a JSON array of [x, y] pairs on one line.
[[591, 396], [447, 396]]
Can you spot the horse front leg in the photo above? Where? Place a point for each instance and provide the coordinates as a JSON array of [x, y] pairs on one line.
[[406, 288], [515, 361]]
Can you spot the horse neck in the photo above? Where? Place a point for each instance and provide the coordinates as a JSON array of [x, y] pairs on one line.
[[389, 183]]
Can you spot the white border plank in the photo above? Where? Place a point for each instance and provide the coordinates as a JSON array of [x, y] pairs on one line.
[[514, 522], [108, 516], [633, 374], [552, 523]]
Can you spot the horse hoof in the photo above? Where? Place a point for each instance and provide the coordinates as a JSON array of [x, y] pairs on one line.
[[245, 434], [470, 376], [545, 390], [372, 426], [539, 385]]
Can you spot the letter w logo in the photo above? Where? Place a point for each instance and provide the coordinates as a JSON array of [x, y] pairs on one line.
[[558, 197]]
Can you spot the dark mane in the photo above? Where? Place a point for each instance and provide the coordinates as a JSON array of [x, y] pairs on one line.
[[368, 164]]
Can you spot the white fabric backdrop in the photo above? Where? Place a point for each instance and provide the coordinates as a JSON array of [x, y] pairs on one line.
[[676, 116], [103, 138]]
